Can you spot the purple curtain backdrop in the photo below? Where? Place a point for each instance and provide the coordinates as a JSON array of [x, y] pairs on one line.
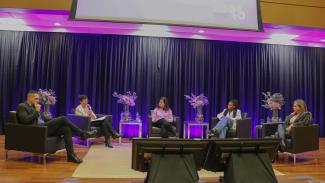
[[98, 65]]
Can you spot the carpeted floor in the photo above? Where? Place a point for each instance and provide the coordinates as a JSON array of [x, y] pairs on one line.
[[102, 162]]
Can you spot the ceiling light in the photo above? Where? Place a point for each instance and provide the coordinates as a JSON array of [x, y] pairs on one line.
[[201, 31], [57, 24]]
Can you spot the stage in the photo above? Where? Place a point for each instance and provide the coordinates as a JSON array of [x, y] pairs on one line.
[[26, 167]]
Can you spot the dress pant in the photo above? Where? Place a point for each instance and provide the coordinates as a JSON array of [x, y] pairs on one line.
[[165, 127], [62, 126], [105, 126], [223, 125]]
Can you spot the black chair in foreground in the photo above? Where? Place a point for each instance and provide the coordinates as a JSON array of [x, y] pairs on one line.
[[243, 127], [302, 139], [30, 138], [155, 131]]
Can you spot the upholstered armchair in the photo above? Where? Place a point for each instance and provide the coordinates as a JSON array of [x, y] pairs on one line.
[[243, 127], [155, 132], [83, 122], [302, 139], [30, 138]]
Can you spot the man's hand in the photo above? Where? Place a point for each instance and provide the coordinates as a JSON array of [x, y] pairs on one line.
[[38, 107]]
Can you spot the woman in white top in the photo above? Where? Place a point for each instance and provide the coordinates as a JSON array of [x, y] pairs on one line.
[[106, 127], [227, 118]]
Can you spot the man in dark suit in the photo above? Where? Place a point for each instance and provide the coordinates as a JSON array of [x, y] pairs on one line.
[[29, 113]]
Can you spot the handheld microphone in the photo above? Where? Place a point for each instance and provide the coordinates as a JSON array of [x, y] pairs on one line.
[[89, 107]]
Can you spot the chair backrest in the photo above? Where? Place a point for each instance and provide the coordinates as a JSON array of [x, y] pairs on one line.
[[244, 115], [12, 118]]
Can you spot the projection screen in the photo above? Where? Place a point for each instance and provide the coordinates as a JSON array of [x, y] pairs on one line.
[[229, 14]]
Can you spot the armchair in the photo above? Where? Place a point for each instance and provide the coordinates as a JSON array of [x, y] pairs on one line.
[[155, 132], [302, 139], [243, 127], [30, 138], [83, 122]]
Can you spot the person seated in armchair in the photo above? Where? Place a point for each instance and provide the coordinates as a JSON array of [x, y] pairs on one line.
[[162, 117], [227, 120], [299, 117], [29, 113], [84, 109]]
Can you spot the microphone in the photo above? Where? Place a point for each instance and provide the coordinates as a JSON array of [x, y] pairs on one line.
[[89, 107]]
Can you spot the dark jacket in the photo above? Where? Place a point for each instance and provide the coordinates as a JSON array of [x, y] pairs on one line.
[[27, 114], [304, 119]]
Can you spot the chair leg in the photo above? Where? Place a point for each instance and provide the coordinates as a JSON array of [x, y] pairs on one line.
[[44, 159], [87, 143], [7, 153]]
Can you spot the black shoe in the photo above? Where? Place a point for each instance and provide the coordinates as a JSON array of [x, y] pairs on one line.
[[109, 145], [86, 135], [116, 135], [213, 133], [74, 159]]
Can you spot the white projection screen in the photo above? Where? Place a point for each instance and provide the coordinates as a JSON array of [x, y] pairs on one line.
[[229, 14]]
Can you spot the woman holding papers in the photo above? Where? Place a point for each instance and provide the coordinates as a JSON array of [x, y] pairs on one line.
[[84, 109]]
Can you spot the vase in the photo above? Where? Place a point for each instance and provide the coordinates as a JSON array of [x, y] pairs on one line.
[[199, 115], [275, 115], [47, 111], [125, 115]]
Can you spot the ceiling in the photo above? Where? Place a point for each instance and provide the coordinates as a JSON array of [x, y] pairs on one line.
[[58, 21]]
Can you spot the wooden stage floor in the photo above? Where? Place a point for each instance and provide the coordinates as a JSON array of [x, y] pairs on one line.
[[24, 167]]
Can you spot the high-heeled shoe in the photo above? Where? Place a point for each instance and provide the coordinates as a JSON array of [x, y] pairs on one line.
[[116, 135], [108, 143]]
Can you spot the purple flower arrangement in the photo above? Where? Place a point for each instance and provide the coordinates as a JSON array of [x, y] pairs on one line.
[[197, 101], [127, 99], [273, 102], [47, 97]]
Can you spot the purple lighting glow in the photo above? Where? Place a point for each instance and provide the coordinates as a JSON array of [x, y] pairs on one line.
[[58, 21]]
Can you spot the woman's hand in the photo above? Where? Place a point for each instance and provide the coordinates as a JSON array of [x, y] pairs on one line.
[[288, 129]]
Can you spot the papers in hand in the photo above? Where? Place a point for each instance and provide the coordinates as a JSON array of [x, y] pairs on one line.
[[99, 119]]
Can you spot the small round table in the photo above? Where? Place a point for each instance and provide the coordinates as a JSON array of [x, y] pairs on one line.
[[130, 122], [202, 124]]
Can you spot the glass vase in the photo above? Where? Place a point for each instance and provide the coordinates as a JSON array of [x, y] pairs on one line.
[[199, 116], [125, 115]]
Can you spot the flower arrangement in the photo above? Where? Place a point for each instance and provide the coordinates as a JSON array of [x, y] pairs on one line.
[[197, 102], [273, 102], [127, 99], [47, 97]]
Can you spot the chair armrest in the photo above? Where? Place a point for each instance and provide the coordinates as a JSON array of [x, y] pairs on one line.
[[149, 125], [214, 122], [269, 129], [305, 138], [30, 138], [244, 128], [82, 122], [177, 121]]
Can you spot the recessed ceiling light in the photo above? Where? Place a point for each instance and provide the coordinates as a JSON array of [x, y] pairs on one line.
[[57, 24], [323, 40], [201, 31]]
